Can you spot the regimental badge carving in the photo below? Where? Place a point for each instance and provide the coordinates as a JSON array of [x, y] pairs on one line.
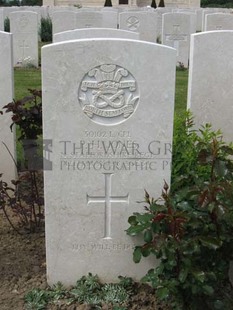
[[108, 94], [133, 23]]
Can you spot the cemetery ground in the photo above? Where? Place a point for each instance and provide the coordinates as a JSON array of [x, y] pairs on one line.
[[22, 257]]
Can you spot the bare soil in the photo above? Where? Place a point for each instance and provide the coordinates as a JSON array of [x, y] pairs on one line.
[[23, 267]]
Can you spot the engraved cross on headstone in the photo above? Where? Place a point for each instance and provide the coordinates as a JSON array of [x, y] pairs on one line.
[[176, 37], [23, 46], [108, 199]]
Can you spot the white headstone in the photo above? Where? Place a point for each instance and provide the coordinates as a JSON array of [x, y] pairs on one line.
[[199, 13], [1, 20], [10, 9], [193, 15], [160, 11], [110, 19], [212, 11], [218, 21], [7, 166], [44, 11], [111, 132], [24, 26], [210, 90], [145, 23], [88, 33], [63, 21], [89, 19], [183, 3], [48, 2], [177, 28]]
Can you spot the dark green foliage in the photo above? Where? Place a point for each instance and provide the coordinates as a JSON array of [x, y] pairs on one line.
[[161, 4], [12, 3], [153, 4], [88, 290], [190, 228], [36, 299], [7, 24], [26, 206], [217, 3], [46, 31], [108, 3], [27, 114], [31, 2]]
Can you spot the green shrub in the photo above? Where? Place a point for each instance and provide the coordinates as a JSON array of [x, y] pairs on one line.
[[46, 33], [153, 4], [31, 2], [185, 166], [88, 290], [7, 24], [190, 228], [217, 3]]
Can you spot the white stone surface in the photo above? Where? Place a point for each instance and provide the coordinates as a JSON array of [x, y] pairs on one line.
[[177, 28], [193, 16], [1, 20], [88, 19], [10, 9], [88, 33], [24, 27], [218, 21], [63, 21], [212, 11], [113, 98], [110, 19], [183, 3], [210, 90], [44, 11], [145, 23], [48, 2], [7, 166], [199, 13], [160, 12]]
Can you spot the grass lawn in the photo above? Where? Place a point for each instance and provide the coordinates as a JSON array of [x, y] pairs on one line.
[[181, 91], [24, 79]]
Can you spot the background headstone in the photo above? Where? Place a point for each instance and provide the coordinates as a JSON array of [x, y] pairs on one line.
[[7, 166], [63, 21], [88, 33], [183, 3], [24, 26], [101, 96], [160, 11], [110, 19], [210, 90], [218, 21], [212, 11], [1, 20], [177, 28], [145, 23], [89, 19]]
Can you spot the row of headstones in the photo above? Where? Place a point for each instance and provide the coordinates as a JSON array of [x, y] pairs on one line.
[[176, 29], [49, 11], [108, 108]]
